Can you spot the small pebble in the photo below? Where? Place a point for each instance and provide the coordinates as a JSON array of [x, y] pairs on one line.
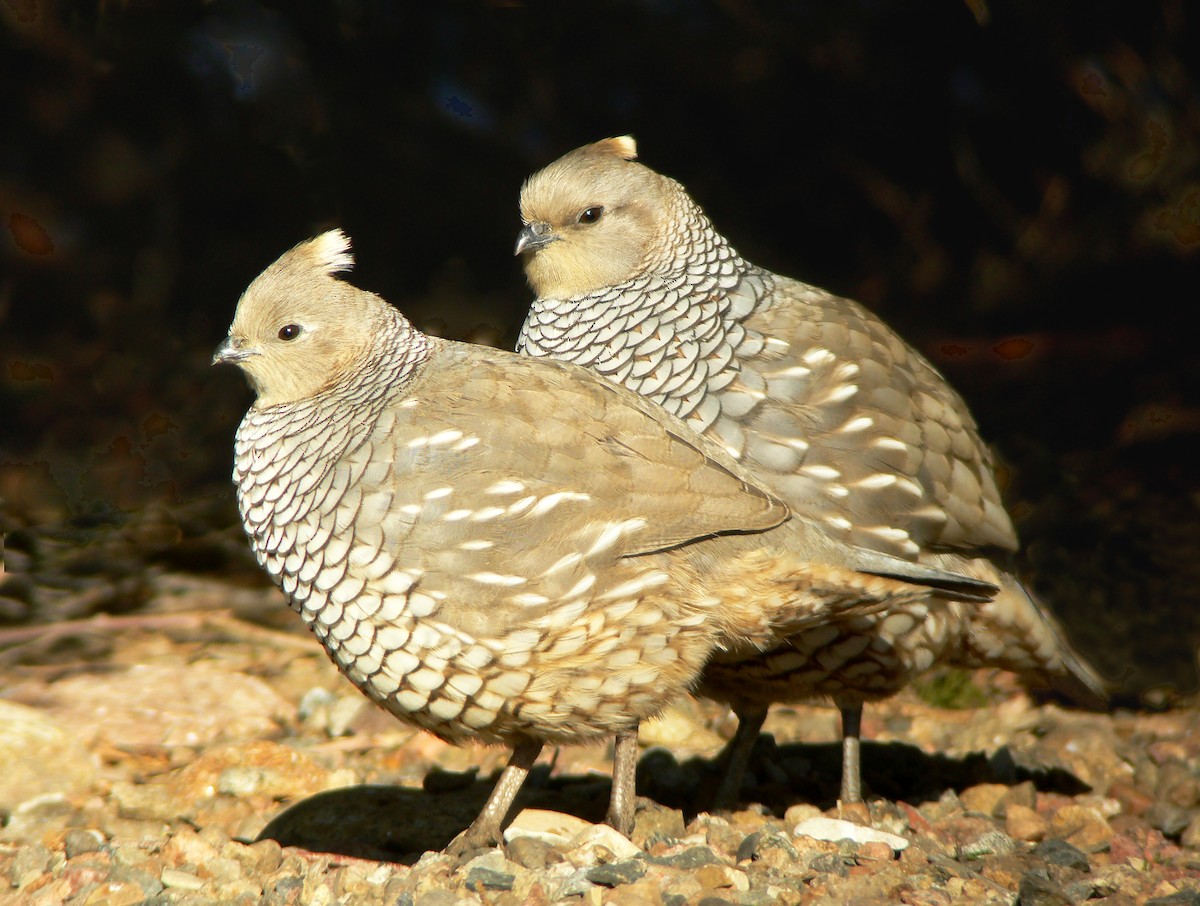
[[173, 877], [78, 841], [1036, 890], [616, 873], [1060, 852]]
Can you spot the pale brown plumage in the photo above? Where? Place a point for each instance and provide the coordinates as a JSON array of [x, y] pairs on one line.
[[817, 397], [501, 549]]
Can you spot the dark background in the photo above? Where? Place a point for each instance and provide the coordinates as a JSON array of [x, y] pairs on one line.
[[1013, 185]]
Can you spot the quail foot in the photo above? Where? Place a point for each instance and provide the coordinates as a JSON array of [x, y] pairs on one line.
[[819, 400], [504, 550]]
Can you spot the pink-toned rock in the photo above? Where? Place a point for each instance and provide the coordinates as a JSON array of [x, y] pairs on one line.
[[157, 704], [874, 851], [1133, 801], [260, 768]]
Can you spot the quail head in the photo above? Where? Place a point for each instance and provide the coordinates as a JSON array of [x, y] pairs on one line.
[[506, 550], [822, 403]]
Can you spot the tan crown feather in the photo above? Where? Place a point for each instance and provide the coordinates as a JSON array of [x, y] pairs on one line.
[[622, 146]]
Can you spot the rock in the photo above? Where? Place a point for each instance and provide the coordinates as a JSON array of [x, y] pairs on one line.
[[1060, 852], [116, 893], [479, 878], [718, 833], [1023, 823], [78, 841], [759, 845], [28, 863], [532, 852], [614, 874], [39, 818], [600, 843], [800, 812], [145, 801], [1191, 834], [554, 828], [438, 898], [990, 843], [718, 877], [834, 863], [834, 829], [691, 858], [655, 822], [1083, 827], [873, 851], [184, 705], [257, 859], [1036, 890], [1177, 785], [1182, 898], [984, 798], [39, 756], [183, 880], [261, 770], [1169, 818]]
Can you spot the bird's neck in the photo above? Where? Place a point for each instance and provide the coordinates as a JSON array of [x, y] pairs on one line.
[[695, 264], [666, 332], [395, 356], [379, 374], [693, 252]]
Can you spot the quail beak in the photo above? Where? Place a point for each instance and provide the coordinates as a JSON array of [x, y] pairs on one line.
[[231, 352], [534, 236]]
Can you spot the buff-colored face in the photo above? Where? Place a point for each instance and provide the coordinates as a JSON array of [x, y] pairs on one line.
[[297, 327], [593, 218]]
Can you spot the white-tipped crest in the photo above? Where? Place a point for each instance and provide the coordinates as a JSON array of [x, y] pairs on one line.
[[622, 146], [330, 252]]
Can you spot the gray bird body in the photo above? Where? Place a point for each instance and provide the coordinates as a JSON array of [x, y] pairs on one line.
[[501, 549], [817, 398]]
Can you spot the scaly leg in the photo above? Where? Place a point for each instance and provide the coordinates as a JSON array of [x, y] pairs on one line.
[[485, 830], [624, 782], [736, 755], [851, 751]]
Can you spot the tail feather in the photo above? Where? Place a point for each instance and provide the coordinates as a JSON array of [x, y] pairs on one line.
[[957, 585], [1078, 681]]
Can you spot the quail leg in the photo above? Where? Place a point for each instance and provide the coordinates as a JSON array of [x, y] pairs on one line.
[[736, 755], [485, 830], [851, 761], [624, 783]]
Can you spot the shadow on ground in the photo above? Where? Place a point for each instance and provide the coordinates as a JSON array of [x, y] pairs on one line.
[[398, 824]]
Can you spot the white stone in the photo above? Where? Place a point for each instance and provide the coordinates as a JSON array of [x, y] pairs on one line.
[[835, 829]]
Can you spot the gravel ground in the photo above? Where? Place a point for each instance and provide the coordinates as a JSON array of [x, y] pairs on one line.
[[171, 734]]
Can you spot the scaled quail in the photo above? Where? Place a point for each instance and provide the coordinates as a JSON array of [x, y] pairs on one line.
[[819, 399], [502, 549]]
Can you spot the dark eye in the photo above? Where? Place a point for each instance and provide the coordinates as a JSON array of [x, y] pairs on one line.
[[591, 215], [289, 331]]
